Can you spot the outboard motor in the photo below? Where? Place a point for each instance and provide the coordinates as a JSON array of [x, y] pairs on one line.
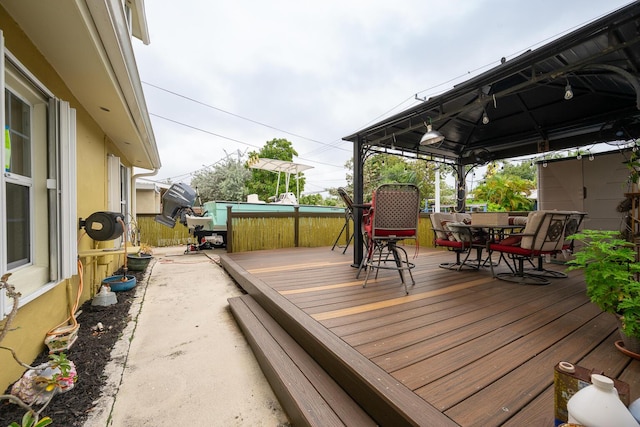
[[179, 197]]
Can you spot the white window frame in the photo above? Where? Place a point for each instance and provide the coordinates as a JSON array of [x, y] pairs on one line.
[[60, 182], [119, 191], [21, 180]]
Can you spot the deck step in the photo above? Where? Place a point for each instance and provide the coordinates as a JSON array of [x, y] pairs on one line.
[[381, 396], [307, 393]]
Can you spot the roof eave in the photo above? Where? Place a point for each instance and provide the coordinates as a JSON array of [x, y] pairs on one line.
[[89, 46]]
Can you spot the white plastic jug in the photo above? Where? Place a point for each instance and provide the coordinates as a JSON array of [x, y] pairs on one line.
[[634, 408], [598, 405]]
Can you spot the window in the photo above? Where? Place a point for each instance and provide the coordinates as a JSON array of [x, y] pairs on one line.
[[38, 185], [18, 179]]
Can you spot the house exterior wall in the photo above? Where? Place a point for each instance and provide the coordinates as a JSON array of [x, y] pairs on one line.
[[38, 316], [147, 201]]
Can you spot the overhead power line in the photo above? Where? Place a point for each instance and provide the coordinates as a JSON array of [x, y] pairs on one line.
[[239, 116], [229, 139]]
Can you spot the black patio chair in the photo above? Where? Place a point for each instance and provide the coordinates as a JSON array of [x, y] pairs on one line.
[[348, 217]]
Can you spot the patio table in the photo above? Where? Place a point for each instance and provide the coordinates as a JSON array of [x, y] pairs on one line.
[[494, 233]]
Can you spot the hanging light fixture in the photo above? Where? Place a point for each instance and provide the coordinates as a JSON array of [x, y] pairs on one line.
[[431, 136], [485, 117], [568, 91]]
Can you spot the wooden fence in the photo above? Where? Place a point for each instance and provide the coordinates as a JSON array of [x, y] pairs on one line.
[[252, 231]]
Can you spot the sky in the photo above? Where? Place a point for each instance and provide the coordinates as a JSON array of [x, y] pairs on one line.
[[224, 77]]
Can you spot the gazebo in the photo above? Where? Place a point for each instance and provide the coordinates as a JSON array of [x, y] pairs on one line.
[[580, 89]]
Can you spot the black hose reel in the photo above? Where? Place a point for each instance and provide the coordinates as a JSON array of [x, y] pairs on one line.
[[103, 226]]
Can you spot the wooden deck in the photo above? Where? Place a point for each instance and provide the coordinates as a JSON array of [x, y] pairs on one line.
[[477, 351]]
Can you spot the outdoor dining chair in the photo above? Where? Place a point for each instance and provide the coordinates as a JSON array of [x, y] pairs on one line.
[[459, 242], [348, 217], [573, 226], [392, 217], [543, 235]]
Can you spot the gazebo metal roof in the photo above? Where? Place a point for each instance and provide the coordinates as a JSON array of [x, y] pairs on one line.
[[524, 100]]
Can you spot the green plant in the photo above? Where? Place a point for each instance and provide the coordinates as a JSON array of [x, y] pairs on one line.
[[61, 361], [145, 249], [31, 420], [62, 380], [634, 167], [610, 272]]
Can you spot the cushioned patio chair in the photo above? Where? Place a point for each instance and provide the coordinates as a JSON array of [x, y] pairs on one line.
[[392, 217], [458, 240], [543, 235], [573, 225], [348, 217]]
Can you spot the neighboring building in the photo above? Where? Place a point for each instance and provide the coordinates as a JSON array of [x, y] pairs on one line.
[[76, 124], [149, 197]]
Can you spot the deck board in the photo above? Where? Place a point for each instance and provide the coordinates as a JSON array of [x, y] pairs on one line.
[[480, 350], [437, 322]]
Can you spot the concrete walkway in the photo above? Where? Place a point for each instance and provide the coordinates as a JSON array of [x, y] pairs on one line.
[[182, 359]]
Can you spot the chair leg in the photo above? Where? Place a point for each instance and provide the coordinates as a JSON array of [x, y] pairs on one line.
[[517, 274], [495, 264], [491, 263], [540, 271], [347, 245], [401, 266], [466, 259], [397, 258], [380, 254], [365, 260], [373, 248], [344, 227], [459, 264]]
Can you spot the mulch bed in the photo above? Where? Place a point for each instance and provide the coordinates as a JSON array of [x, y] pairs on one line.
[[90, 353]]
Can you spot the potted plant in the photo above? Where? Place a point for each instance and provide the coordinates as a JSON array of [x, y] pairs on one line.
[[39, 384], [611, 273], [634, 171], [140, 260]]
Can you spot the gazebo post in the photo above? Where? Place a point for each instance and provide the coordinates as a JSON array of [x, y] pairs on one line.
[[358, 196], [461, 187]]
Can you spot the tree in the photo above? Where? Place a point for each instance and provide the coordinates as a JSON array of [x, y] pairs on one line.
[[224, 181], [524, 170], [505, 193], [265, 183], [507, 186], [317, 199], [386, 168]]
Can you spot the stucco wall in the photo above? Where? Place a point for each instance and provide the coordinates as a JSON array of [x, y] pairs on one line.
[[37, 317]]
